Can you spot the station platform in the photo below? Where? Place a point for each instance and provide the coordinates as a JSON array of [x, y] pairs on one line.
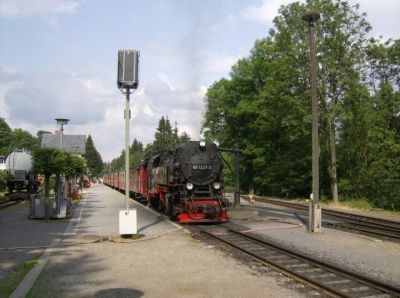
[[82, 257]]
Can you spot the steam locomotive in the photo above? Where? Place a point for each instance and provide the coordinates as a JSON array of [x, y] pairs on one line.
[[185, 182]]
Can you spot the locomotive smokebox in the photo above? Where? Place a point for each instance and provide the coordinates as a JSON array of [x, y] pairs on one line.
[[128, 69]]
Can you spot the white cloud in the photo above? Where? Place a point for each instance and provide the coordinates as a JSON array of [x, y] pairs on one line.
[[40, 98], [164, 78], [24, 8], [160, 98], [230, 21], [4, 111], [97, 87], [52, 21], [215, 62], [9, 79], [31, 102], [160, 53], [186, 107], [383, 16], [147, 110], [266, 12]]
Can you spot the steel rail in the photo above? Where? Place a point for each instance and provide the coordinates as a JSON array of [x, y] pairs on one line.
[[334, 281], [4, 205]]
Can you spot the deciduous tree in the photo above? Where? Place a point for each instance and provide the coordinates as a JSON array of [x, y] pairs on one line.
[[5, 137], [49, 161]]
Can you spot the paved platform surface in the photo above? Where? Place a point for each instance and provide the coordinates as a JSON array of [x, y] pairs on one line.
[[165, 263]]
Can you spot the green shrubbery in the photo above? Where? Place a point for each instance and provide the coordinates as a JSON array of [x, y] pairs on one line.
[[3, 183]]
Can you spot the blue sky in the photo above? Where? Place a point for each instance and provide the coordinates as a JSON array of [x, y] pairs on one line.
[[58, 59]]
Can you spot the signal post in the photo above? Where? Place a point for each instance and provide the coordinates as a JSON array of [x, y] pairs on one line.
[[127, 80]]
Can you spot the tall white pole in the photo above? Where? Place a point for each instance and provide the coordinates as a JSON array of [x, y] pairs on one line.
[[62, 132], [127, 116]]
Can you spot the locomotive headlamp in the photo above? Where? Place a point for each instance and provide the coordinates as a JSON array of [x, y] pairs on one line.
[[202, 143], [216, 185], [189, 186]]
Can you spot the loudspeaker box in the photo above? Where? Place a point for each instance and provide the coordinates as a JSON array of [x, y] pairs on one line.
[[128, 69]]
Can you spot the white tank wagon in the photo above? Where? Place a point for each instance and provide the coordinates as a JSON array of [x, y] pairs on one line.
[[19, 172]]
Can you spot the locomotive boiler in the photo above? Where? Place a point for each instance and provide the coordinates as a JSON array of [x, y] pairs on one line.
[[185, 182]]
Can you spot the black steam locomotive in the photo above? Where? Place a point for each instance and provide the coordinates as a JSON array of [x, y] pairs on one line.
[[185, 182]]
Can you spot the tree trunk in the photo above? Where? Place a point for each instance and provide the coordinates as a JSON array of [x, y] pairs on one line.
[[46, 198], [332, 164]]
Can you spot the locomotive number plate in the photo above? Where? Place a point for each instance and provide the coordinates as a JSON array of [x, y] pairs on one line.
[[201, 167]]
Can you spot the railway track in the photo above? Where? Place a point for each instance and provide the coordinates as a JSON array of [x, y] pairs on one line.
[[369, 225], [5, 204], [13, 199], [331, 280]]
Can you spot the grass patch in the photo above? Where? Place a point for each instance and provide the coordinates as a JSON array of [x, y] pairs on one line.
[[11, 281], [358, 204], [363, 205]]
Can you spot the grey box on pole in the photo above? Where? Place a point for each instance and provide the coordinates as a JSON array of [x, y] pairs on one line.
[[128, 69], [72, 143]]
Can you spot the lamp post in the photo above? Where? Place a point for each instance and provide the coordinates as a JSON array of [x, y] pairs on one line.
[[315, 210], [62, 122]]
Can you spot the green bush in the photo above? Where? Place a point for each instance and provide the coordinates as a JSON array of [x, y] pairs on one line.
[[3, 183]]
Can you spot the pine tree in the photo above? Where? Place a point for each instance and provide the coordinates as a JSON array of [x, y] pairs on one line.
[[93, 158], [163, 137], [136, 153]]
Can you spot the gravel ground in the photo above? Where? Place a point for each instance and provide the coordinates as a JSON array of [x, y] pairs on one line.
[[367, 255], [171, 266]]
